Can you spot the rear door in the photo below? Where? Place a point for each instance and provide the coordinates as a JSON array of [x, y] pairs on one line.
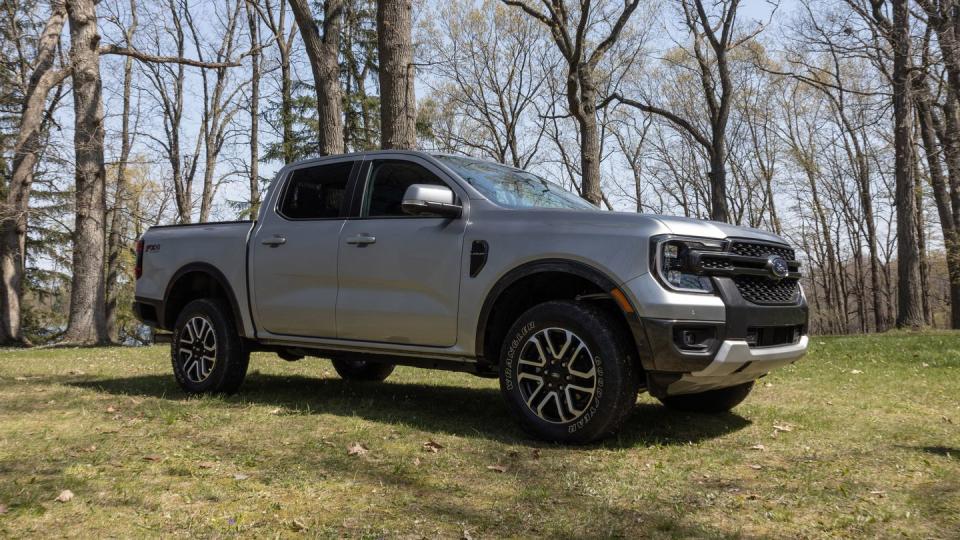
[[399, 274], [293, 252]]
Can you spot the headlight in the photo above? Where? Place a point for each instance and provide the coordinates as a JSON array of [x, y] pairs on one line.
[[671, 262]]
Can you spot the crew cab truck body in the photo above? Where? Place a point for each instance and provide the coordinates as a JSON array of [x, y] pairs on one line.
[[446, 262]]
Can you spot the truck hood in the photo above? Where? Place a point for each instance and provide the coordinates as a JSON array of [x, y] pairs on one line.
[[712, 229]]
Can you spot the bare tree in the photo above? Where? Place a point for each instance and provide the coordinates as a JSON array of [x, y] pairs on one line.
[[27, 149], [322, 49], [582, 52], [398, 116]]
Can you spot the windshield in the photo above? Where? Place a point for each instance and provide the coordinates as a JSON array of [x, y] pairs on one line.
[[512, 188]]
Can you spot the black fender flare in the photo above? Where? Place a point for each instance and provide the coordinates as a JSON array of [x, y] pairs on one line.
[[217, 275], [567, 266]]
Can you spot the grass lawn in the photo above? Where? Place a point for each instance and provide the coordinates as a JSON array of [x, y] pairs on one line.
[[861, 438]]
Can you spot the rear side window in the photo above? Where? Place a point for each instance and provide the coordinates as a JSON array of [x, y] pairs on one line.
[[316, 192], [387, 183]]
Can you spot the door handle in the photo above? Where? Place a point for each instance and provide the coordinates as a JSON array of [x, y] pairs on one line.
[[277, 240], [361, 240]]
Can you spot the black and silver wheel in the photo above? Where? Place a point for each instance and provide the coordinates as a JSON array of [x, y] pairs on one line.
[[716, 401], [362, 370], [207, 353], [567, 373]]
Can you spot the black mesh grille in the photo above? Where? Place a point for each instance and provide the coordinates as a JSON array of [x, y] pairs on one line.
[[715, 264], [751, 249], [761, 290]]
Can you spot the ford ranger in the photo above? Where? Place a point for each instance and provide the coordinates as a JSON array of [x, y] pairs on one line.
[[449, 262]]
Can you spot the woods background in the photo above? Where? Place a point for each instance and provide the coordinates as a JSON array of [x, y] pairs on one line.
[[834, 123]]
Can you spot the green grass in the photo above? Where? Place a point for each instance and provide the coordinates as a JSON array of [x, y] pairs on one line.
[[873, 449]]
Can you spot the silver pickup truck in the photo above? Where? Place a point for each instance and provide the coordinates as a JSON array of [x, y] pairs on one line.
[[449, 262]]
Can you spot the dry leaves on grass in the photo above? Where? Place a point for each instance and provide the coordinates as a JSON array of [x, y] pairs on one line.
[[432, 446], [298, 526], [206, 464], [759, 447], [111, 409], [755, 467], [3, 509], [497, 468], [64, 496], [357, 449], [152, 457], [536, 453]]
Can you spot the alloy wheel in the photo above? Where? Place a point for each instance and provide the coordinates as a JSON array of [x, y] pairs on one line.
[[197, 349], [557, 375]]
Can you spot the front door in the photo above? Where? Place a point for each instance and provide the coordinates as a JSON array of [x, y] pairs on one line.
[[294, 252], [399, 274]]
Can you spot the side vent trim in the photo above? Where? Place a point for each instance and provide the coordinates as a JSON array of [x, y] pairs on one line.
[[478, 256]]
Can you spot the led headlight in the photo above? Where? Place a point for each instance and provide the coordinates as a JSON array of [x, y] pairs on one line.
[[672, 262]]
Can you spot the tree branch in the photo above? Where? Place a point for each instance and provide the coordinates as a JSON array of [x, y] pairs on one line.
[[146, 57]]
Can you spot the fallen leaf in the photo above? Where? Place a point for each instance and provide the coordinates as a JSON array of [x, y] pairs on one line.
[[879, 493], [925, 364], [755, 467], [416, 462], [298, 525], [855, 371], [759, 447], [92, 448], [536, 453], [152, 457], [64, 496], [752, 497], [3, 509], [432, 446], [275, 411], [75, 372], [357, 449], [206, 464], [19, 378], [947, 420], [784, 427], [497, 468], [240, 476], [111, 409], [466, 535]]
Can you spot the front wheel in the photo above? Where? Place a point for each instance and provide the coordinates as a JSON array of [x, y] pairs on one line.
[[716, 401], [567, 373], [362, 370], [207, 353]]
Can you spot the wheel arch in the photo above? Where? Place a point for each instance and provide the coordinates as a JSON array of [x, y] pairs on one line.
[[490, 328], [202, 278]]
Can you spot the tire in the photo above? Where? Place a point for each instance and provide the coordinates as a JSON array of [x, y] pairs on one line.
[[362, 370], [716, 401], [567, 372], [218, 342]]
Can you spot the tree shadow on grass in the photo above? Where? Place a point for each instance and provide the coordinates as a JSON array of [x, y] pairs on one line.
[[472, 412]]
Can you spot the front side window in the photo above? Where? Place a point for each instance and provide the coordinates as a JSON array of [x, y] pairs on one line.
[[388, 182], [510, 187], [316, 192]]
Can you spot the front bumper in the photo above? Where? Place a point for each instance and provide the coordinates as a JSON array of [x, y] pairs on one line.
[[736, 363]]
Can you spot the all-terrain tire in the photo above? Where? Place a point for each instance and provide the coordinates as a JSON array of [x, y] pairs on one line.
[[587, 384], [207, 353], [362, 370], [716, 401]]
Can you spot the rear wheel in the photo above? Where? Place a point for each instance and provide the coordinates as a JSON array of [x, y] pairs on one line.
[[207, 353], [362, 370], [716, 401], [566, 372]]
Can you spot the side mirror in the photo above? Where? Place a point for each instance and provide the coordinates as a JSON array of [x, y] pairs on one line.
[[430, 200]]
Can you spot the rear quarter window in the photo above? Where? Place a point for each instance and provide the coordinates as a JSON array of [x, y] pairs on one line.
[[316, 192]]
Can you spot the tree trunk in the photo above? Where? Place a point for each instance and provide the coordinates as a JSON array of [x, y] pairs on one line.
[[254, 25], [322, 51], [87, 323], [909, 309], [117, 221], [397, 100], [26, 153]]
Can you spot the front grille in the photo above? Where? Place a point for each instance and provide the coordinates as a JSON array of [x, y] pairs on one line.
[[761, 290], [757, 249]]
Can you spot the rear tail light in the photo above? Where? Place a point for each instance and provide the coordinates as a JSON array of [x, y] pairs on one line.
[[138, 266]]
